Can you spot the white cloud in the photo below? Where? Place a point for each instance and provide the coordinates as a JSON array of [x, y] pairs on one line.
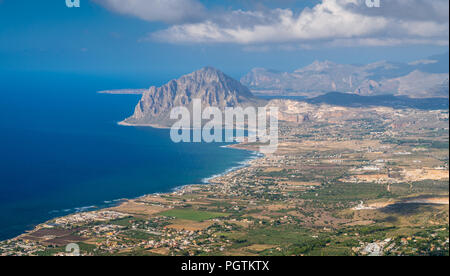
[[423, 10], [169, 11], [332, 22]]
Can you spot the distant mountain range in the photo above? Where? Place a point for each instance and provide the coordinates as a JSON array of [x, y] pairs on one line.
[[418, 79], [210, 85]]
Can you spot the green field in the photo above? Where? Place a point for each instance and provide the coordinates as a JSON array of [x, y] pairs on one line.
[[195, 215]]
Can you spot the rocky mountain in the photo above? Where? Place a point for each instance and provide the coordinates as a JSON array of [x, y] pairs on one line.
[[312, 80], [210, 85], [418, 79], [416, 84]]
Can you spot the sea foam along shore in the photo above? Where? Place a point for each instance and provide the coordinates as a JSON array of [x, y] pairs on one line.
[[242, 164], [112, 203], [105, 204], [206, 181]]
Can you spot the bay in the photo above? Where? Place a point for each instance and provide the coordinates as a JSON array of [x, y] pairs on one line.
[[61, 150]]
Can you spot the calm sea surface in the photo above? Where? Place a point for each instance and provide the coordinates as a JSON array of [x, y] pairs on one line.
[[61, 150]]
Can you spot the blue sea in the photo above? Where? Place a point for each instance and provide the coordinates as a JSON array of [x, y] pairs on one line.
[[61, 150]]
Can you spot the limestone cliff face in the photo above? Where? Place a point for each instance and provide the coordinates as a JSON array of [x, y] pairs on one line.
[[211, 86]]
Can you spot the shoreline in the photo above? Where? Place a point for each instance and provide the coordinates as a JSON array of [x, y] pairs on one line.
[[243, 164], [118, 202], [138, 91], [123, 123]]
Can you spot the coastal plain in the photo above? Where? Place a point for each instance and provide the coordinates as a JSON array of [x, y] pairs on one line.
[[344, 181]]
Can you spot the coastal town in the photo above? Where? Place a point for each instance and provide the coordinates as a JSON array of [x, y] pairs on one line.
[[344, 181]]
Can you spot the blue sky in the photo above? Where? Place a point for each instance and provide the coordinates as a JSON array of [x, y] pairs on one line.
[[172, 37]]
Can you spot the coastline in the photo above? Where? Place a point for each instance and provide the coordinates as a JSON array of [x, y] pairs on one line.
[[123, 91], [123, 201], [243, 164], [123, 123]]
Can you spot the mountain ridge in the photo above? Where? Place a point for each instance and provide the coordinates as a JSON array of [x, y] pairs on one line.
[[418, 79]]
